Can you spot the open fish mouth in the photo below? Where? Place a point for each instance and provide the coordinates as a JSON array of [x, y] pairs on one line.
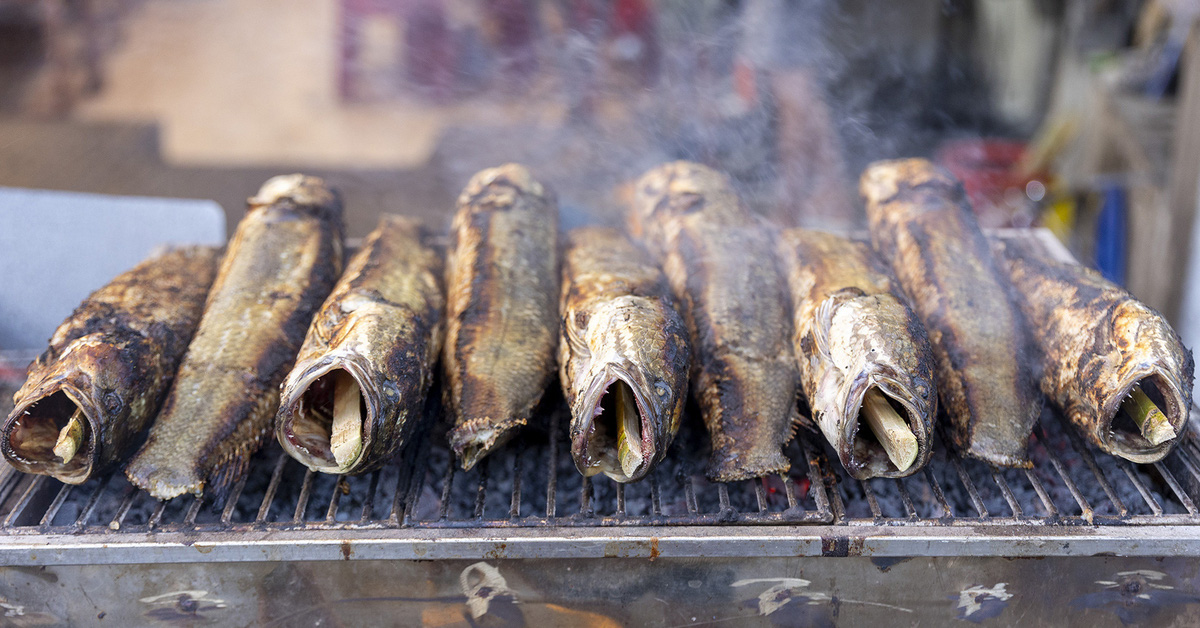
[[52, 435], [325, 423], [1136, 434], [615, 430], [901, 451]]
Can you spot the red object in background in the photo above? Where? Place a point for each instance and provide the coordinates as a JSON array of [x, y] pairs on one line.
[[988, 171]]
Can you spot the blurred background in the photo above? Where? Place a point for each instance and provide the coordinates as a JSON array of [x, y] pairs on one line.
[[1079, 115]]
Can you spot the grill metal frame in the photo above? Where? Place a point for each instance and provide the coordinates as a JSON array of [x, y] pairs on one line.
[[683, 516]]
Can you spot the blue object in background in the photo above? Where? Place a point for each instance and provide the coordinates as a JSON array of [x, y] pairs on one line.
[[1110, 234]]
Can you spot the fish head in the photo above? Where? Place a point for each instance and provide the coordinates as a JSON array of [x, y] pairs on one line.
[[55, 427], [628, 403], [872, 345], [1144, 353]]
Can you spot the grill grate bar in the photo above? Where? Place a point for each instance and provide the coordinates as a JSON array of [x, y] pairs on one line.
[[127, 497], [335, 498], [1086, 455], [1084, 507], [1175, 487], [585, 498], [815, 484], [407, 496], [906, 499], [55, 505], [193, 510], [552, 469], [368, 507], [302, 500], [620, 499], [1047, 503], [655, 494], [938, 495], [1152, 503], [264, 508], [1006, 491], [23, 502], [872, 501], [789, 491], [760, 494], [232, 500], [689, 495], [1183, 453], [514, 504], [481, 488], [723, 498], [157, 515], [972, 492], [85, 514], [447, 484]]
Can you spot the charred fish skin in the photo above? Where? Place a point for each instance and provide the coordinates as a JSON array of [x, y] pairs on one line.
[[382, 325], [744, 375], [853, 331], [921, 223], [113, 359], [1097, 342], [502, 277], [620, 327], [281, 263]]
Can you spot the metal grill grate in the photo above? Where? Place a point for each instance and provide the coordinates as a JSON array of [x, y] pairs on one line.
[[533, 483]]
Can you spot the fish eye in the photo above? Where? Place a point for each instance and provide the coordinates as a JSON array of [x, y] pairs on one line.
[[661, 389]]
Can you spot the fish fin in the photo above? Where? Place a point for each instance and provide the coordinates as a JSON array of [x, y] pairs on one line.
[[224, 475], [824, 319]]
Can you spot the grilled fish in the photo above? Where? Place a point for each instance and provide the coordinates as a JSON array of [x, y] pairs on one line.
[[91, 394], [922, 225], [358, 389], [280, 265], [743, 373], [623, 356], [1099, 347], [856, 341], [502, 313]]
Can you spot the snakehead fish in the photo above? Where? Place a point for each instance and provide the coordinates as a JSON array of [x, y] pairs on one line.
[[623, 355], [90, 395], [858, 345], [280, 264], [721, 265], [1103, 352], [501, 308], [358, 389], [922, 224]]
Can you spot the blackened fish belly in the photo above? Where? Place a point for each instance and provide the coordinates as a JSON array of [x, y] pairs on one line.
[[501, 308], [1111, 364], [721, 265], [865, 363], [280, 265], [91, 394], [624, 355], [922, 225], [358, 389]]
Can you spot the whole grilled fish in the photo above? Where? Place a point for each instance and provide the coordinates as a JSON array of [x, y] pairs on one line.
[[855, 338], [358, 389], [91, 394], [280, 265], [623, 356], [1099, 345], [922, 224], [721, 265], [501, 308]]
